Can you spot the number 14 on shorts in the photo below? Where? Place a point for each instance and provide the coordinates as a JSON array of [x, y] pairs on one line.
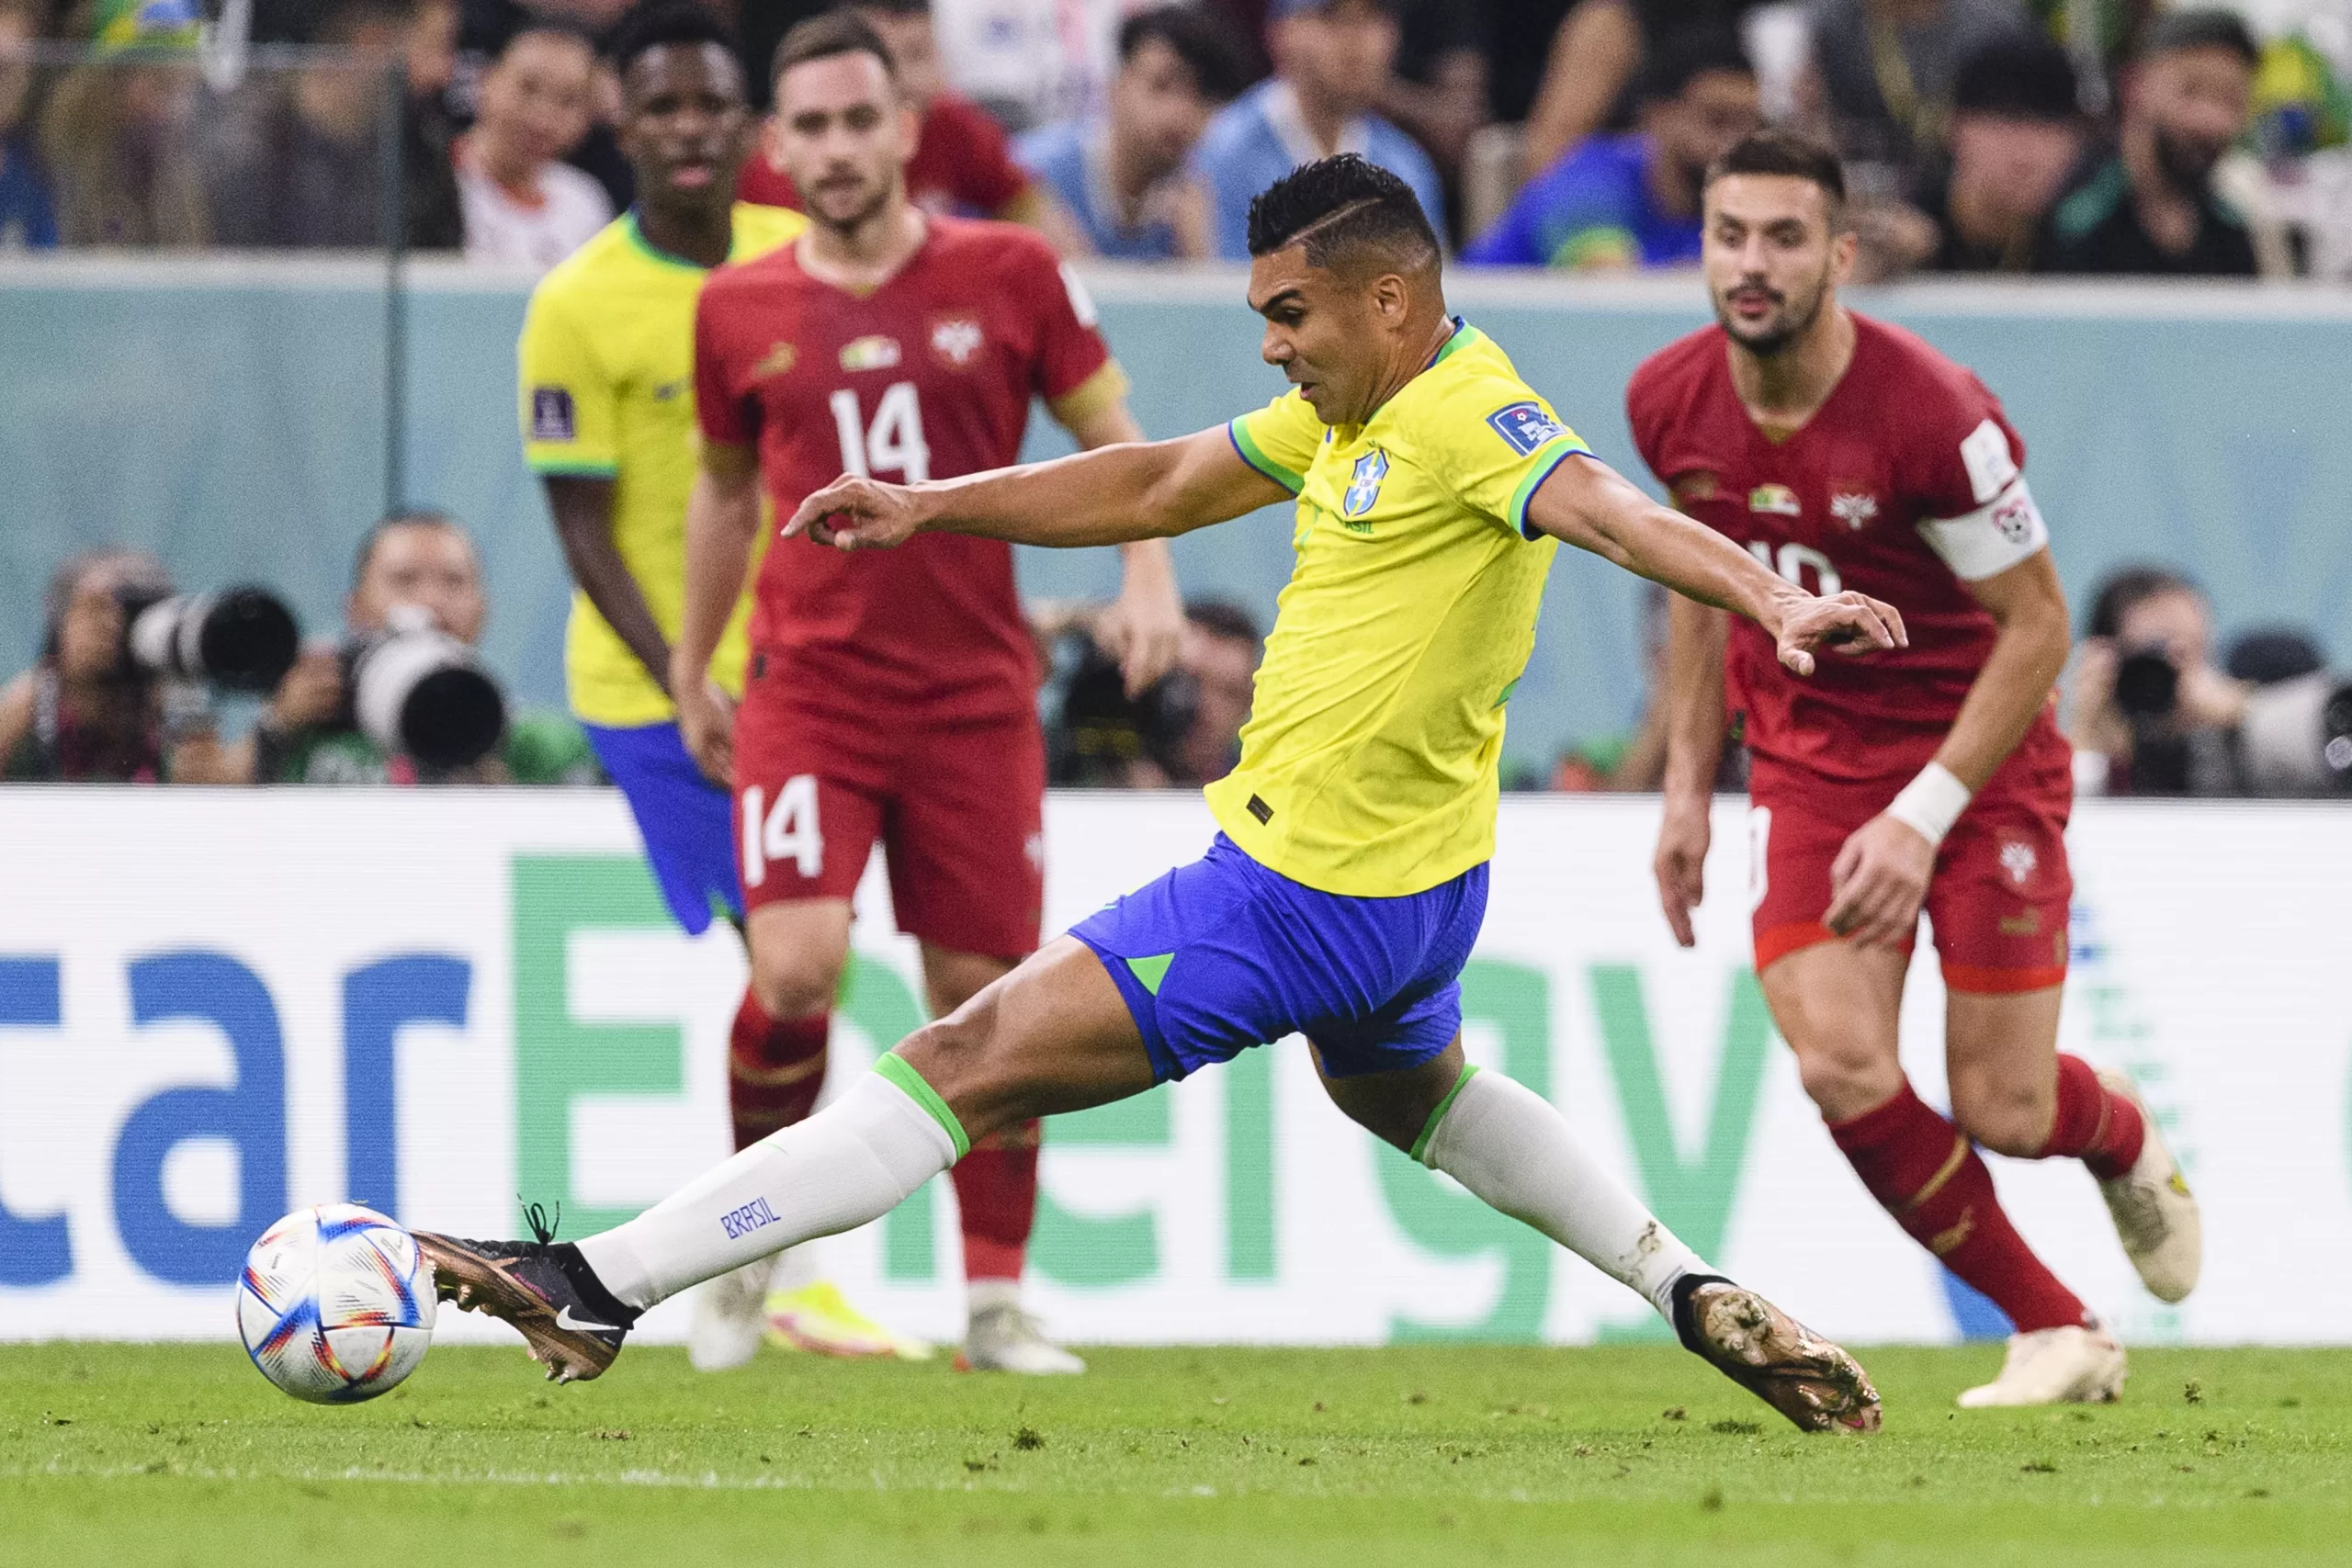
[[784, 830]]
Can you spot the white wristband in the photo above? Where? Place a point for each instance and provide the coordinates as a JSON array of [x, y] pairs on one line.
[[1931, 803]]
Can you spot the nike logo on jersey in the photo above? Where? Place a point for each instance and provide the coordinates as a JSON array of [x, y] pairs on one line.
[[1779, 501]]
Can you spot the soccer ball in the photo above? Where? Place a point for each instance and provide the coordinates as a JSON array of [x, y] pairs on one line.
[[336, 1304]]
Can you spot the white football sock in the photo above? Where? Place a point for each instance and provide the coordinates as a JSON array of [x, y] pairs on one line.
[[1506, 1142], [851, 1162]]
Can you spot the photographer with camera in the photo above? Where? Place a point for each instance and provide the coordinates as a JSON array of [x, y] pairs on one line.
[[402, 699], [2151, 714], [1183, 730], [119, 696]]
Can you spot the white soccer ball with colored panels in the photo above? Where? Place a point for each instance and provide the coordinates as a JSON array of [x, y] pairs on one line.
[[336, 1304]]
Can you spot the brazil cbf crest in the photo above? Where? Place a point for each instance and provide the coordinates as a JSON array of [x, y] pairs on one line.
[[1363, 485]]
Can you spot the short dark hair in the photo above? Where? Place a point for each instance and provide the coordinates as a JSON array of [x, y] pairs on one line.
[[1785, 152], [2208, 28], [888, 7], [1341, 208], [664, 24], [1222, 618], [1690, 52], [823, 38], [2121, 592], [420, 518], [2028, 77], [1199, 38]]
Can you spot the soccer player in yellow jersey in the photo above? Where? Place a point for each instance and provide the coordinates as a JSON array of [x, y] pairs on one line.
[[1344, 892], [608, 425]]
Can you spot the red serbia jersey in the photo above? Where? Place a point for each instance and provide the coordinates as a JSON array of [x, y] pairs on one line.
[[928, 377], [1906, 485]]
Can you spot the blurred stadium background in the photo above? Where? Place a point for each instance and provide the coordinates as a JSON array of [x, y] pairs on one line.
[[239, 323]]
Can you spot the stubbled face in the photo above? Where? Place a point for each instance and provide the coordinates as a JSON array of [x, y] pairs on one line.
[[1157, 107], [2016, 166], [427, 564], [1712, 112], [1325, 332], [843, 133], [539, 95], [684, 125], [1773, 258], [1342, 53], [2177, 621], [2195, 100]]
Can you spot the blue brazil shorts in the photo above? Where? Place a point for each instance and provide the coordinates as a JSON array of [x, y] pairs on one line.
[[687, 822], [1223, 954]]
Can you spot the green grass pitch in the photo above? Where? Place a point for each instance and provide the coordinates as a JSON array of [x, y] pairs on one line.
[[1636, 1454]]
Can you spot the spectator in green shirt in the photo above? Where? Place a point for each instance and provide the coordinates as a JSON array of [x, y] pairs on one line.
[[306, 735]]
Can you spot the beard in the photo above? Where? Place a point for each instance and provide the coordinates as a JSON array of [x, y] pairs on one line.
[[1794, 320], [875, 199], [2186, 162]]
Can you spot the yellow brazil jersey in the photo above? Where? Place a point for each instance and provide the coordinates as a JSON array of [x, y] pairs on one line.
[[1369, 766], [608, 392]]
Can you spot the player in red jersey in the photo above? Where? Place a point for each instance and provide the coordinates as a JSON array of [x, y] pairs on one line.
[[1847, 453], [962, 163], [891, 695]]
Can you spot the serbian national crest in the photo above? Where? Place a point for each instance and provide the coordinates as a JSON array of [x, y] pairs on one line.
[[2018, 860], [956, 339], [1363, 486], [1857, 509]]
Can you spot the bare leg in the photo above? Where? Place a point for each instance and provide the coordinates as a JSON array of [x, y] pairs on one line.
[[1838, 1007]]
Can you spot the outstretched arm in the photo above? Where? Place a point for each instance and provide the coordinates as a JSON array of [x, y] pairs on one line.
[[1587, 503], [1134, 490]]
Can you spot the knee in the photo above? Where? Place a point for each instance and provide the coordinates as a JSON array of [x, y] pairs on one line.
[[2007, 1113], [1846, 1075], [794, 984]]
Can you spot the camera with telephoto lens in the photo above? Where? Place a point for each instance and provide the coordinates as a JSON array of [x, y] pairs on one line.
[[2147, 686], [416, 690], [2296, 737], [1093, 729], [241, 639]]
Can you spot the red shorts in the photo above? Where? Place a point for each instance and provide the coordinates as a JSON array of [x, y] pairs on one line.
[[957, 804], [1999, 894]]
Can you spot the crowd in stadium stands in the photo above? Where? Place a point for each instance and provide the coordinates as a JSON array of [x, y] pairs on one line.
[[1981, 136], [2051, 136]]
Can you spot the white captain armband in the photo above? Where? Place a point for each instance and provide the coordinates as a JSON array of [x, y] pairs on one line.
[[1991, 539]]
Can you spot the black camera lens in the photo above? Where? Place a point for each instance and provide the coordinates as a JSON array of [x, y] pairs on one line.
[[241, 639], [249, 640], [453, 717], [2147, 686]]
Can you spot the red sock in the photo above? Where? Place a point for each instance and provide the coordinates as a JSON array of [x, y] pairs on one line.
[[2094, 1125], [1928, 1176], [774, 1068], [996, 1187]]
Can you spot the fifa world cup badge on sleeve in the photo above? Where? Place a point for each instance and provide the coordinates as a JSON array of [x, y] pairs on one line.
[[1525, 426], [552, 418]]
